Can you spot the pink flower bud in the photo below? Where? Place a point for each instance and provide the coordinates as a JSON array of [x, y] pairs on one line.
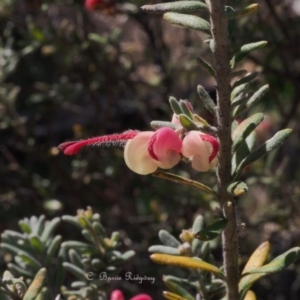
[[116, 295], [149, 150], [141, 297], [201, 149]]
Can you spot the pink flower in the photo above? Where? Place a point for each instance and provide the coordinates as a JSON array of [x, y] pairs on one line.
[[146, 151], [201, 149], [118, 295], [149, 150]]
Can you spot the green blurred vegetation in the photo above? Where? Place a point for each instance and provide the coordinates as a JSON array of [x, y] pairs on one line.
[[66, 73]]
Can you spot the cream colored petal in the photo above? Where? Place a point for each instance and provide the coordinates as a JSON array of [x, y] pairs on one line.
[[136, 154], [194, 148]]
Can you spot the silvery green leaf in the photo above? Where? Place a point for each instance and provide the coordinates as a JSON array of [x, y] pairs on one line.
[[187, 21], [178, 6]]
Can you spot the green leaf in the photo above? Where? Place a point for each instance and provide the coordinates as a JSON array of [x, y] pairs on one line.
[[182, 281], [24, 227], [212, 231], [99, 229], [257, 96], [36, 243], [168, 239], [178, 6], [242, 88], [172, 296], [186, 262], [178, 289], [206, 100], [242, 12], [175, 106], [36, 285], [276, 141], [243, 150], [206, 66], [71, 220], [245, 128], [164, 249], [184, 181], [245, 79], [49, 229], [187, 123], [53, 248], [198, 224], [244, 51], [187, 21], [75, 258], [279, 263], [78, 272], [186, 108], [161, 124], [237, 188]]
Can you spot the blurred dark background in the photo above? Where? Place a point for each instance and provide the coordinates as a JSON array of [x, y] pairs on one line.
[[67, 73]]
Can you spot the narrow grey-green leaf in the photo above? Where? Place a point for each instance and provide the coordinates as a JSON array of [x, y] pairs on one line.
[[212, 231], [206, 100], [242, 12], [276, 141], [187, 21], [75, 258], [243, 150], [36, 243], [168, 239], [53, 248], [186, 108], [49, 229], [206, 66], [161, 124], [257, 96], [164, 249], [71, 220], [279, 263], [24, 226], [78, 272], [185, 181], [187, 123], [198, 224], [245, 79], [175, 105], [177, 289], [242, 88], [178, 6], [237, 188], [244, 50], [245, 128]]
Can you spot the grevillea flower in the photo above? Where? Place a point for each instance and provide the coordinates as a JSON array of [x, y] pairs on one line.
[[102, 5], [149, 150], [118, 295], [201, 149], [146, 151]]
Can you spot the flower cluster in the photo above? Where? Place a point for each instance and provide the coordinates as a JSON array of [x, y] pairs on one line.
[[146, 151], [118, 295]]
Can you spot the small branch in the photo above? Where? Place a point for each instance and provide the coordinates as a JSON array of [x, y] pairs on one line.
[[227, 202]]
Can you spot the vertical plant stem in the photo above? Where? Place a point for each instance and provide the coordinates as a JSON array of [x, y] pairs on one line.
[[227, 201]]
